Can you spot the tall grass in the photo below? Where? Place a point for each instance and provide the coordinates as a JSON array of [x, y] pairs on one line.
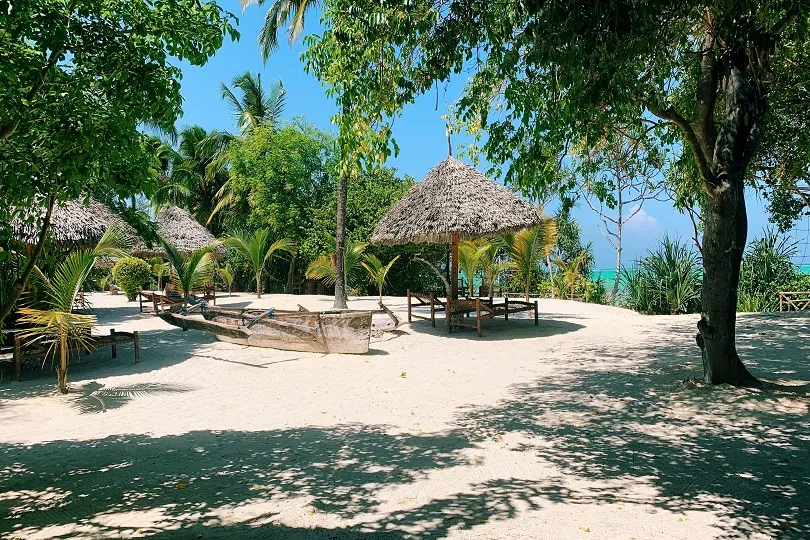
[[665, 282], [766, 269]]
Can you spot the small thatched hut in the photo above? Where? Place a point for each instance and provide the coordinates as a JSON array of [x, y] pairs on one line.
[[181, 230], [73, 224], [454, 201]]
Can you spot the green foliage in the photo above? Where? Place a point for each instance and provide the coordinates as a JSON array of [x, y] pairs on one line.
[[665, 282], [767, 268], [323, 267], [470, 254], [258, 248], [527, 248], [78, 78], [255, 105], [282, 13], [192, 271], [131, 273], [377, 271]]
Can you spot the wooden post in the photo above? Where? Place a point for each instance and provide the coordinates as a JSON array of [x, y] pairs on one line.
[[535, 313], [17, 359], [478, 315], [409, 306], [114, 349], [137, 345], [432, 310], [448, 312], [454, 267], [506, 308], [780, 302], [140, 302], [215, 294]]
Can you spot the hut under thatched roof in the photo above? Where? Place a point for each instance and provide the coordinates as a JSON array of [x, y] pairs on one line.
[[73, 223], [179, 228], [454, 201]]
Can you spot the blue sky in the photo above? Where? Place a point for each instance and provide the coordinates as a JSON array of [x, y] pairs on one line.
[[420, 132]]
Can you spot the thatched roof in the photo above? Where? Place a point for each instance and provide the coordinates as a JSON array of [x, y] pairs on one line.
[[181, 230], [454, 198], [73, 223]]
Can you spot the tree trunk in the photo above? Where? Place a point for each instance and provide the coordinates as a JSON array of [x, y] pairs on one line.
[[550, 274], [726, 230], [258, 285], [291, 273], [19, 287], [61, 370], [726, 222], [615, 292], [340, 245]]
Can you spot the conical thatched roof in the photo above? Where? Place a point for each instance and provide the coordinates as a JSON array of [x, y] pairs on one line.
[[181, 230], [73, 223], [454, 198]]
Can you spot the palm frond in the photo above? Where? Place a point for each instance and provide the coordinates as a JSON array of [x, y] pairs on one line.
[[322, 268]]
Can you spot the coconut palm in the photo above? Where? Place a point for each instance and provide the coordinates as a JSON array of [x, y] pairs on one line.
[[226, 274], [491, 264], [470, 254], [527, 247], [289, 13], [571, 273], [190, 271], [255, 105], [160, 269], [377, 271], [324, 268], [54, 322], [257, 248]]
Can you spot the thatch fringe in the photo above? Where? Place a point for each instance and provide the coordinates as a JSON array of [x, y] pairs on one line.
[[454, 198], [181, 230]]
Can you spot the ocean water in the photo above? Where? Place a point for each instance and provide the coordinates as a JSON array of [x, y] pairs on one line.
[[608, 277]]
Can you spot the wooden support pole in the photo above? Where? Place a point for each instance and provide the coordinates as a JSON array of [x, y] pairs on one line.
[[506, 308], [432, 311], [454, 267], [137, 345], [409, 306], [17, 359], [478, 315], [535, 313], [113, 346]]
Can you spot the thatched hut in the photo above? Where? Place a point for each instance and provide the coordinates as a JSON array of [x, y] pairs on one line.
[[73, 224], [454, 202], [181, 230]]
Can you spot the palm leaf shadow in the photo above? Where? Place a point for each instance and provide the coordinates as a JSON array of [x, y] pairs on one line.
[[97, 398]]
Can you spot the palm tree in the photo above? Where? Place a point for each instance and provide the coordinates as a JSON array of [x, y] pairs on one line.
[[194, 173], [491, 263], [258, 249], [55, 323], [255, 106], [571, 272], [192, 271], [324, 267], [226, 274], [469, 259], [377, 271], [529, 245], [291, 13]]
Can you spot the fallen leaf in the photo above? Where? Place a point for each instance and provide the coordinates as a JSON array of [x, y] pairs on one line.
[[583, 528], [181, 485]]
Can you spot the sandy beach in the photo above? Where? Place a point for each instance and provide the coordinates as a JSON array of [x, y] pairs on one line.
[[585, 426]]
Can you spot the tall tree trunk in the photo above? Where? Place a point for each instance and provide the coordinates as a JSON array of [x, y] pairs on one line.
[[291, 273], [22, 282], [726, 222], [723, 244], [615, 292], [340, 245], [258, 285], [61, 370]]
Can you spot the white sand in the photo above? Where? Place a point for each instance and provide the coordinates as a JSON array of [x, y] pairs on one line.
[[581, 427]]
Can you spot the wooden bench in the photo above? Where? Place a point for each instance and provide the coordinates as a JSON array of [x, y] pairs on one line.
[[41, 350], [794, 301], [161, 302], [457, 310]]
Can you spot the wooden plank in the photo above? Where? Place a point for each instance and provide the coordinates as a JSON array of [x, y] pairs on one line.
[[17, 359]]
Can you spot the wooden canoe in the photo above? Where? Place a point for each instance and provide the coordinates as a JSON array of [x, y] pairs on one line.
[[346, 332]]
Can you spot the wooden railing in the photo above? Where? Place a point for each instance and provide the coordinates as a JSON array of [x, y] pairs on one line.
[[794, 301]]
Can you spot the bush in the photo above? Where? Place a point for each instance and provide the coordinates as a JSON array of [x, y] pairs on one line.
[[130, 274], [766, 269], [665, 282]]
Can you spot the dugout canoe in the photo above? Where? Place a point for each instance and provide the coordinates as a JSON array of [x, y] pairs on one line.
[[345, 332]]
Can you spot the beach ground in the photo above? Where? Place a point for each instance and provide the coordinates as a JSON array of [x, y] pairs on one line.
[[589, 425]]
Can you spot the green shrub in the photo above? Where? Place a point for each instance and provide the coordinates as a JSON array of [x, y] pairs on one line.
[[766, 269], [130, 274], [665, 282]]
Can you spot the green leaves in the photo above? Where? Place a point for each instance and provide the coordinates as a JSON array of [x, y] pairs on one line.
[[192, 271], [257, 248], [377, 271]]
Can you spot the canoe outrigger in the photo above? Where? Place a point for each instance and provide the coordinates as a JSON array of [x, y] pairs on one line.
[[345, 332]]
